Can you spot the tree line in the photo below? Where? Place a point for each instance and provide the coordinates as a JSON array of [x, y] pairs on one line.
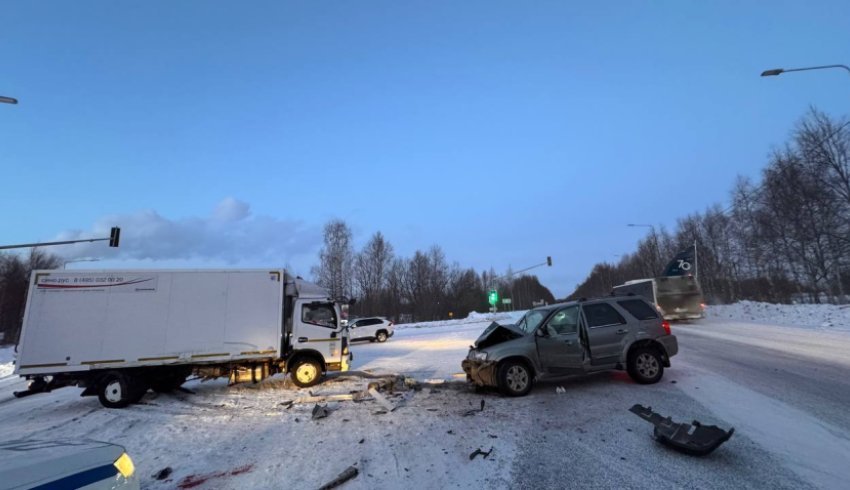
[[423, 287], [783, 239], [15, 271]]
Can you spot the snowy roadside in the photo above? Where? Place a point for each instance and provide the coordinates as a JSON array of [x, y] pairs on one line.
[[823, 317]]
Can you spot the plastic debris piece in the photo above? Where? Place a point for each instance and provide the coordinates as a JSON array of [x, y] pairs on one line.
[[694, 438], [320, 412]]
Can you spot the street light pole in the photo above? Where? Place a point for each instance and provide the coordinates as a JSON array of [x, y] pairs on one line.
[[778, 71]]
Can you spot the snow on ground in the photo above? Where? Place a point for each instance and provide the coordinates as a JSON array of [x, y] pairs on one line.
[[826, 317], [7, 355], [245, 437]]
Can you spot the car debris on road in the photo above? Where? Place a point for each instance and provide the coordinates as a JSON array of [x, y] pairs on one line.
[[694, 438]]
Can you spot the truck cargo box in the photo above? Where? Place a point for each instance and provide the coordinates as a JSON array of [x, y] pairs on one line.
[[83, 320]]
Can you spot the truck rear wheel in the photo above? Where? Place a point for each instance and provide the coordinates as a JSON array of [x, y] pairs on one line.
[[117, 390], [306, 372]]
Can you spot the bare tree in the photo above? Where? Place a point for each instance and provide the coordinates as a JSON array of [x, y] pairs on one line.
[[371, 268], [334, 271]]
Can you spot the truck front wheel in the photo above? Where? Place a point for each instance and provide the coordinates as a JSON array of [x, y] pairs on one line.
[[117, 390], [306, 372]]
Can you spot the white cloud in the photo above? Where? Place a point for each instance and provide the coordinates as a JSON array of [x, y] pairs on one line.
[[231, 209], [230, 235]]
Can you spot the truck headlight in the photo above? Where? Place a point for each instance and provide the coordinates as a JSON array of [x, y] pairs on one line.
[[479, 355], [125, 465]]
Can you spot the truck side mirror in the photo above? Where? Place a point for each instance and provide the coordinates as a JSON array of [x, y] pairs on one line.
[[352, 301]]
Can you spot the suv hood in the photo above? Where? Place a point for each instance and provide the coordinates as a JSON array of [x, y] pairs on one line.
[[496, 334]]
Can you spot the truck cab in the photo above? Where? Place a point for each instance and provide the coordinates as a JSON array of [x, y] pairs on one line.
[[315, 340]]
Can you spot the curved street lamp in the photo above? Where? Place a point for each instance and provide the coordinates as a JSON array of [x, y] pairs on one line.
[[779, 71], [8, 100]]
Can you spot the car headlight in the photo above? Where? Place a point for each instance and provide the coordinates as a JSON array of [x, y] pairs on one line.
[[479, 355], [125, 465]]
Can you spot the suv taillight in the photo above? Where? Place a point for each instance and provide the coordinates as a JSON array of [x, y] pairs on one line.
[[390, 325], [666, 325]]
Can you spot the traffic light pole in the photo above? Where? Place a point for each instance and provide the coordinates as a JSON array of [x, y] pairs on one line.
[[114, 238], [493, 280]]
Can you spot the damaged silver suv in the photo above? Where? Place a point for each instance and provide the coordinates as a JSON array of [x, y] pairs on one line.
[[579, 337]]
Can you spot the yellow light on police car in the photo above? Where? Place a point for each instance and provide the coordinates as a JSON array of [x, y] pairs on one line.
[[125, 465]]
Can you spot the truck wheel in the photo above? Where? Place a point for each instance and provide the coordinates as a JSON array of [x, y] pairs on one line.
[[645, 366], [116, 390], [381, 336], [306, 373], [515, 378]]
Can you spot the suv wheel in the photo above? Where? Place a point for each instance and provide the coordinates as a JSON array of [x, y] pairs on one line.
[[381, 336], [645, 366], [515, 378]]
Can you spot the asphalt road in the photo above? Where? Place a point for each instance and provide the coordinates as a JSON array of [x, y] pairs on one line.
[[787, 404]]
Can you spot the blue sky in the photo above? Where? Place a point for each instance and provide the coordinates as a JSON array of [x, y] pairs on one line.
[[228, 133]]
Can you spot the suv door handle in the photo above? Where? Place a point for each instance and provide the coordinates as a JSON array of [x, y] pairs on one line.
[[302, 339], [622, 331], [568, 342]]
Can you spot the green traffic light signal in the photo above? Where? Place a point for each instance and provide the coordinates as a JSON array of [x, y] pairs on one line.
[[493, 297]]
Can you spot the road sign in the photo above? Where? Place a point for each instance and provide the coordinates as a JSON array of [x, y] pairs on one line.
[[506, 301]]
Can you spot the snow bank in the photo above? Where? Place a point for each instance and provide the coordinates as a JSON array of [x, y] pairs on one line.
[[7, 355], [827, 317], [474, 317]]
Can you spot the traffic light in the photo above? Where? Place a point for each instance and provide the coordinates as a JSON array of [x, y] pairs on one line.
[[493, 297], [114, 236], [549, 261]]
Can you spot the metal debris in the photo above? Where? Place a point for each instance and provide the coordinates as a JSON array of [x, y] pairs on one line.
[[479, 451], [343, 477], [474, 410]]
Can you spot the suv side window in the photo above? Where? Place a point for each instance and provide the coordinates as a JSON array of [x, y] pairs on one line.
[[323, 315], [564, 321], [374, 321], [602, 315], [638, 309]]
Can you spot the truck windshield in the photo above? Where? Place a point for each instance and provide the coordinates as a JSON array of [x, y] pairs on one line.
[[531, 320], [319, 314]]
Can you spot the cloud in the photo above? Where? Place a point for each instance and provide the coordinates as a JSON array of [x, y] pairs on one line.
[[230, 235], [231, 209]]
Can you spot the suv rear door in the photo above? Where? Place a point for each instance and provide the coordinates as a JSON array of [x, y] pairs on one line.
[[607, 331]]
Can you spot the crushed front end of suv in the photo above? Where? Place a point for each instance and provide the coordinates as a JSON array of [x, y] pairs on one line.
[[578, 337]]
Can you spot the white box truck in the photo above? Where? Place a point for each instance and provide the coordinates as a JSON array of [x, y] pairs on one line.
[[676, 297], [118, 333]]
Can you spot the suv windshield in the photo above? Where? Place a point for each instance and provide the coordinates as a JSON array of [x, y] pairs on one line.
[[531, 320]]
